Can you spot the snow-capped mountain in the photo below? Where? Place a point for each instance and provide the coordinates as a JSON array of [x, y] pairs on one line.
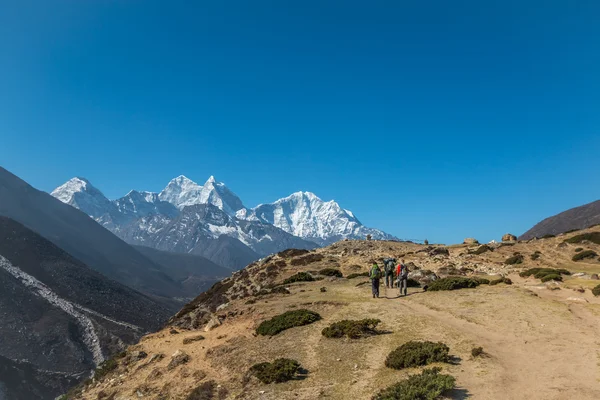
[[305, 215], [188, 217]]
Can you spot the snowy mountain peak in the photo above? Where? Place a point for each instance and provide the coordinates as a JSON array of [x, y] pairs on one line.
[[219, 195], [181, 192], [68, 191]]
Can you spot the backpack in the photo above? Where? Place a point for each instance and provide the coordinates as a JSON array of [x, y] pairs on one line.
[[403, 271], [375, 273]]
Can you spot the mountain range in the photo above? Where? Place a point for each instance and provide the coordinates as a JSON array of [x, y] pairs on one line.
[[212, 221], [575, 218]]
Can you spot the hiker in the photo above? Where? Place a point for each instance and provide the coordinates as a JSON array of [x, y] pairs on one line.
[[402, 273], [389, 271], [375, 274]]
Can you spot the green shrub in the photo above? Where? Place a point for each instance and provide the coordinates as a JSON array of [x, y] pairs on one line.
[[584, 254], [516, 259], [452, 283], [428, 385], [415, 354], [593, 237], [536, 255], [331, 272], [280, 370], [354, 329], [551, 277], [287, 320], [105, 368], [477, 351], [482, 249], [501, 280], [356, 275], [539, 273], [548, 236], [299, 277], [596, 291], [577, 250]]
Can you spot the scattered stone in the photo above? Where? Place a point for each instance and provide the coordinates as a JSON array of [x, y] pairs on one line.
[[323, 289], [135, 356], [178, 358], [173, 331], [594, 277], [193, 339], [509, 237], [579, 289], [471, 241], [212, 324], [577, 299]]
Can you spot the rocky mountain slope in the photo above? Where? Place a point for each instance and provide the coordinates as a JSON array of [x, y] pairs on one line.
[[60, 318], [187, 217], [576, 218], [76, 233], [532, 333]]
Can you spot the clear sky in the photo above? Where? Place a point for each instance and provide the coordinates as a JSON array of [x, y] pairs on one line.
[[428, 119]]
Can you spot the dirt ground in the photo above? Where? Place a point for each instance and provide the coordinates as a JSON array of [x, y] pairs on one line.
[[539, 343]]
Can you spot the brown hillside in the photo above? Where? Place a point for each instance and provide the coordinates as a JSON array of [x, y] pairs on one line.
[[538, 342]]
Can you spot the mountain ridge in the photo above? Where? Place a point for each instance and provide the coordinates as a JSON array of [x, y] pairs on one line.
[[580, 217]]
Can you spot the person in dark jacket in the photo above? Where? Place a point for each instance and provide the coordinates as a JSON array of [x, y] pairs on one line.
[[375, 275], [389, 264], [402, 273]]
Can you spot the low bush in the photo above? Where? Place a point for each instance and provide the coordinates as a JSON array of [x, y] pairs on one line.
[[428, 385], [453, 283], [307, 259], [415, 354], [536, 255], [516, 259], [280, 370], [551, 277], [539, 273], [299, 277], [331, 272], [287, 320], [354, 329], [105, 368], [501, 280], [482, 249], [593, 237], [477, 351], [356, 275], [596, 291], [584, 254], [548, 236], [577, 250]]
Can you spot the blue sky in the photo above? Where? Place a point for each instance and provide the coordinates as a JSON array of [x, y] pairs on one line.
[[428, 119]]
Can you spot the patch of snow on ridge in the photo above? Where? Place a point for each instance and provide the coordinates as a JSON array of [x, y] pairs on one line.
[[90, 338]]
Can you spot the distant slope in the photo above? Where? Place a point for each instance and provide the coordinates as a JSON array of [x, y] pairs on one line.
[[195, 273], [79, 235], [576, 218], [59, 315]]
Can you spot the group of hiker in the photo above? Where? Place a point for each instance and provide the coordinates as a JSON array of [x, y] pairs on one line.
[[390, 271]]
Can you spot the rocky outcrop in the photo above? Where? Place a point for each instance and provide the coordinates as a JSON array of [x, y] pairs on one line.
[[509, 238]]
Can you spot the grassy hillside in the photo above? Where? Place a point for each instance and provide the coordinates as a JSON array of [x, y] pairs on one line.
[[538, 340]]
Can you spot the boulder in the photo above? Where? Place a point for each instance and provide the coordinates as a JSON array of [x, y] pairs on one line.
[[439, 251], [423, 276], [471, 241], [509, 237], [594, 277], [212, 324], [178, 358]]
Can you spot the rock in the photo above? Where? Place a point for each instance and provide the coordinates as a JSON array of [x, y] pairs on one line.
[[135, 356], [561, 245], [578, 274], [178, 358], [439, 251], [212, 324], [594, 277], [509, 237], [577, 299], [579, 289], [471, 241], [423, 276]]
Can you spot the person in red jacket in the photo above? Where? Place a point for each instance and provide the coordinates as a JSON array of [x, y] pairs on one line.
[[402, 274]]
